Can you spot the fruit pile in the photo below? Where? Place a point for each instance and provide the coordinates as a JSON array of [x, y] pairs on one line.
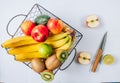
[[45, 44]]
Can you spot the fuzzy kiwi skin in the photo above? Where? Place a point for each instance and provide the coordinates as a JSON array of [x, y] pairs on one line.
[[52, 62], [37, 65]]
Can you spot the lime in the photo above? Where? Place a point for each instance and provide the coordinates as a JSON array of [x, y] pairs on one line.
[[45, 50], [108, 59]]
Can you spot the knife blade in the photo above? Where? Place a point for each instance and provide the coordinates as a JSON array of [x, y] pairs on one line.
[[99, 54]]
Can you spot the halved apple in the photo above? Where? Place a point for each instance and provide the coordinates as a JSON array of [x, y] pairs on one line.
[[92, 21], [84, 58]]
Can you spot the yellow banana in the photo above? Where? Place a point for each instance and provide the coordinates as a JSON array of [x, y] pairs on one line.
[[66, 46], [57, 36], [23, 60], [35, 47], [58, 43], [24, 49], [27, 40], [29, 55], [18, 41]]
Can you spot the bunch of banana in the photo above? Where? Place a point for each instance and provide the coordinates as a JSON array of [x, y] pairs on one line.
[[67, 45], [25, 48]]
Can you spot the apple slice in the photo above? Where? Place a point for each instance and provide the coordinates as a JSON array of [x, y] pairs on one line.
[[92, 21], [84, 58]]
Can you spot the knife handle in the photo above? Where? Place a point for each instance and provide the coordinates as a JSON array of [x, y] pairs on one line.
[[97, 60]]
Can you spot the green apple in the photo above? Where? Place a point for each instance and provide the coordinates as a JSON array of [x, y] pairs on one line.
[[45, 50]]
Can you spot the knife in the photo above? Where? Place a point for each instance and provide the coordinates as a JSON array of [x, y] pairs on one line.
[[99, 54]]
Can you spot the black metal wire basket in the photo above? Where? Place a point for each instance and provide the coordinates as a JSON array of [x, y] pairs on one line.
[[35, 11]]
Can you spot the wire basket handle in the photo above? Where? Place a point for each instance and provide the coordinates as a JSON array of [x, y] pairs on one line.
[[7, 28], [70, 62]]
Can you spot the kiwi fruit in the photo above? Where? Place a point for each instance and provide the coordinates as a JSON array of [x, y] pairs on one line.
[[37, 65], [62, 55], [52, 62], [47, 75]]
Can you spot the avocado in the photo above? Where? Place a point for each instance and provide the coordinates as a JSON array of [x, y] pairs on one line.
[[42, 19]]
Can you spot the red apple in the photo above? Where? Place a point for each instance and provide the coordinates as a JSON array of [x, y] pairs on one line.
[[55, 25], [40, 33], [27, 27]]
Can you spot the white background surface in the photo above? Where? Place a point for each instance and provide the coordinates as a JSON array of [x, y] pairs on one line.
[[73, 12]]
